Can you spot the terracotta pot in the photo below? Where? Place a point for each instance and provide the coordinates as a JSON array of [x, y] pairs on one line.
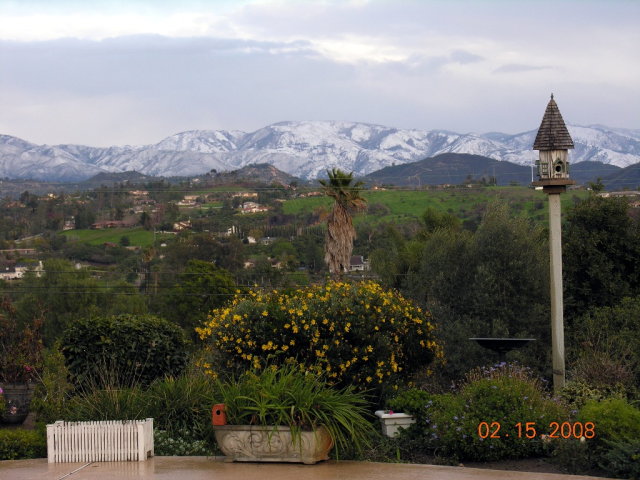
[[254, 443], [17, 398]]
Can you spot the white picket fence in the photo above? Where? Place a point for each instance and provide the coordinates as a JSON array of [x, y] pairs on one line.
[[109, 441]]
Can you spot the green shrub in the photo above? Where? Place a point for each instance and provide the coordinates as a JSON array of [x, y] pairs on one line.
[[17, 444], [107, 403], [609, 345], [575, 394], [448, 424], [622, 459], [356, 334], [298, 399], [182, 404], [123, 350], [615, 448], [53, 391], [615, 420]]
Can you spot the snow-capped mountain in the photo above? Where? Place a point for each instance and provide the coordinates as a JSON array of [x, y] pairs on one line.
[[303, 149]]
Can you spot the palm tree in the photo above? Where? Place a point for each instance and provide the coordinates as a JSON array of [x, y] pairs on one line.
[[340, 232]]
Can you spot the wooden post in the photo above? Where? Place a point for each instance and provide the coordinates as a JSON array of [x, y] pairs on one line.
[[557, 318], [553, 142]]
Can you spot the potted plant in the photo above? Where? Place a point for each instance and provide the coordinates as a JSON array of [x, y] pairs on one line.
[[20, 362], [283, 414]]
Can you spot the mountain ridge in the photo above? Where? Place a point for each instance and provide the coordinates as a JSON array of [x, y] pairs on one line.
[[304, 149]]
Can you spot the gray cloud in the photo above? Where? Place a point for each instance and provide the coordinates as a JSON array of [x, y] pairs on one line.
[[463, 57], [450, 65]]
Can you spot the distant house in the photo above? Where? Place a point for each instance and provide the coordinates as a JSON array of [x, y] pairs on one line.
[[358, 264], [624, 193], [245, 195], [69, 224], [232, 230], [101, 225], [252, 207], [14, 271], [179, 226]]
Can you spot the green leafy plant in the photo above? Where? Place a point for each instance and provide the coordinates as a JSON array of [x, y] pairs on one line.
[[302, 400], [17, 444], [124, 348], [356, 334]]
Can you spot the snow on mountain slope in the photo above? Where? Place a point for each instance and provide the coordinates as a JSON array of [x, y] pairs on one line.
[[305, 149], [202, 141]]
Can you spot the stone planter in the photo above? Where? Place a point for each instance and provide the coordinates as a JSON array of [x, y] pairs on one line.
[[393, 422], [17, 398], [254, 443]]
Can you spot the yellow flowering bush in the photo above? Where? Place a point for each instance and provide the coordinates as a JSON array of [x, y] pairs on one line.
[[358, 334]]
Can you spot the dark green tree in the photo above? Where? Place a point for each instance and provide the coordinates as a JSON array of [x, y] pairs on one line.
[[601, 254], [200, 288], [491, 283]]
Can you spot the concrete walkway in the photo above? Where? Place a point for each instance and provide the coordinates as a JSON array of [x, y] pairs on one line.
[[213, 468]]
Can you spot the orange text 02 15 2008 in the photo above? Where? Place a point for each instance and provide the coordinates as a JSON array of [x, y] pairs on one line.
[[531, 430]]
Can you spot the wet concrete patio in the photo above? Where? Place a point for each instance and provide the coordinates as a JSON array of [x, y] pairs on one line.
[[214, 468]]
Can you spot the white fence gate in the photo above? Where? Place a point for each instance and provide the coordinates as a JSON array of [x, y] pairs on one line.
[[110, 441]]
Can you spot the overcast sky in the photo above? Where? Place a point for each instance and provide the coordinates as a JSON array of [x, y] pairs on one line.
[[135, 71]]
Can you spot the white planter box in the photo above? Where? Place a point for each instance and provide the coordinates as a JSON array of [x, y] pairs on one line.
[[392, 422], [108, 441]]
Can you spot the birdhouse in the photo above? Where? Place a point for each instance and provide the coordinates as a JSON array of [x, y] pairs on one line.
[[553, 142]]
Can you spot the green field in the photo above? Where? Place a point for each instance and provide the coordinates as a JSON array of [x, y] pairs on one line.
[[137, 236], [465, 203]]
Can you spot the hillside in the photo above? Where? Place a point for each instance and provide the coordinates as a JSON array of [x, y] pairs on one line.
[[451, 168], [257, 173], [625, 179], [459, 168]]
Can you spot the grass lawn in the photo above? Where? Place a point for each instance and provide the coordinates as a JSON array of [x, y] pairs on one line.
[[137, 236], [465, 203]]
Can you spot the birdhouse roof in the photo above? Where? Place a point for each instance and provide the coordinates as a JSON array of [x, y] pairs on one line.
[[553, 133]]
